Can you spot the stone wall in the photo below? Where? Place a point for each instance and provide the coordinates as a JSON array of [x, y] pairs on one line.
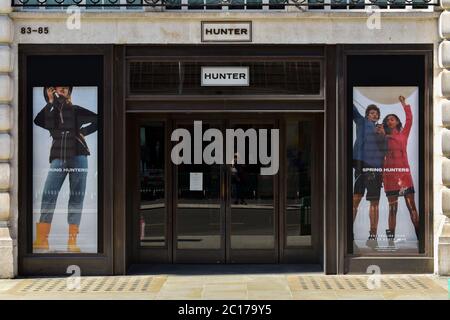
[[7, 244], [184, 28], [268, 27], [443, 233]]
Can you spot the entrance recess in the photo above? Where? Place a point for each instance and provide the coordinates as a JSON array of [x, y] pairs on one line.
[[225, 212]]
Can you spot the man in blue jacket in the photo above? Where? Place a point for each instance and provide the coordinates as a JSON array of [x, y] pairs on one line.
[[368, 158]]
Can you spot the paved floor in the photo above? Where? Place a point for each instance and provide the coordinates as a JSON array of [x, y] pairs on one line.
[[236, 282], [194, 283]]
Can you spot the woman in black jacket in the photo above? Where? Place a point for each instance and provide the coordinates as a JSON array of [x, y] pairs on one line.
[[68, 124]]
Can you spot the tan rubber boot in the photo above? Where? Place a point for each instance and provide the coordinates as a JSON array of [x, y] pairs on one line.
[[72, 242], [42, 231]]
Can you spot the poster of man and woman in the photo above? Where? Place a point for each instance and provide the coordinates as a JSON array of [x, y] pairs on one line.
[[385, 201]]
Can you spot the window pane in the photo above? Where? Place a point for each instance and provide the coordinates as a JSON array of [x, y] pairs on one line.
[[298, 191], [254, 4], [152, 185], [154, 77], [173, 4], [198, 209], [277, 4], [237, 4], [252, 198], [213, 4], [195, 4], [266, 77]]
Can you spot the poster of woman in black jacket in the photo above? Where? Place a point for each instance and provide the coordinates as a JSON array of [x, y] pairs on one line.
[[68, 124]]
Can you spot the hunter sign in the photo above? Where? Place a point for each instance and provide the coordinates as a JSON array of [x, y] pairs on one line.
[[227, 31], [224, 76]]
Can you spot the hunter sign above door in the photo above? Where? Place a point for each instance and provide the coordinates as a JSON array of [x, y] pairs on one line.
[[225, 76], [226, 31]]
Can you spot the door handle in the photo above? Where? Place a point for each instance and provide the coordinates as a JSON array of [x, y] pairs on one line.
[[224, 183]]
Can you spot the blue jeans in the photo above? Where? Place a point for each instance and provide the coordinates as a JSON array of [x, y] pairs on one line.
[[76, 167]]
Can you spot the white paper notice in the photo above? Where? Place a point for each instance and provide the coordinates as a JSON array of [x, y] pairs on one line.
[[196, 181]]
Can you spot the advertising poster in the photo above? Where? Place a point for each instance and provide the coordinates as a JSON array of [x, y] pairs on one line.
[[65, 180], [385, 204]]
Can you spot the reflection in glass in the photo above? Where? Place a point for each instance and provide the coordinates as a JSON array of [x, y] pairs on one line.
[[198, 224], [298, 191], [184, 77], [152, 222], [252, 202]]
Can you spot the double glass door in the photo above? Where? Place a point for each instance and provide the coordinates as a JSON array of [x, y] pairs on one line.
[[224, 210], [221, 191]]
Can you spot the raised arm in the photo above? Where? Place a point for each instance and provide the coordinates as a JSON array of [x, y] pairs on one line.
[[357, 117], [409, 116]]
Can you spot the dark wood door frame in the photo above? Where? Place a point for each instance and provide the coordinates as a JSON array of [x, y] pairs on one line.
[[236, 104], [115, 238], [334, 150], [312, 254], [116, 251], [159, 254], [412, 263], [100, 263]]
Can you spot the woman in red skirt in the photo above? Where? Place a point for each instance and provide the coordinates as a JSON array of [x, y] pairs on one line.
[[397, 178]]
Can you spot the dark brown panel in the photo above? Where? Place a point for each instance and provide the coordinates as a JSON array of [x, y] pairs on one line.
[[184, 105], [342, 148], [214, 50], [331, 168], [391, 265], [119, 147], [428, 230]]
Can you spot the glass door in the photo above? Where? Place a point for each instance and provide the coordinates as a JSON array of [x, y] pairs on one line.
[[149, 197], [252, 215], [199, 225], [261, 204], [226, 212], [301, 206], [153, 210]]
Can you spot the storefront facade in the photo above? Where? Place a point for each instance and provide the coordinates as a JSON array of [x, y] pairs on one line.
[[109, 183]]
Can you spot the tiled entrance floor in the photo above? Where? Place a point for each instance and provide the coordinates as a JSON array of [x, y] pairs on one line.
[[229, 286]]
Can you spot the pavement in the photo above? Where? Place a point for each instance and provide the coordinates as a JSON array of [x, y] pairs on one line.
[[235, 284]]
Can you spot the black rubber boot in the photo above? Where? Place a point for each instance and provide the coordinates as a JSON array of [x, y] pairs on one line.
[[390, 234]]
